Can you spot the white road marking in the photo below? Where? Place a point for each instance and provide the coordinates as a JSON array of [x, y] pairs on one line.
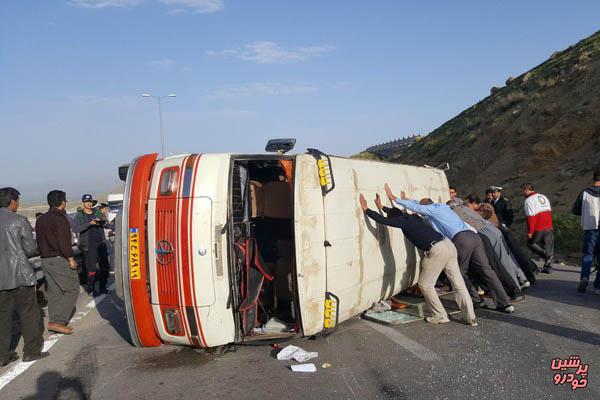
[[19, 367], [415, 348], [99, 299]]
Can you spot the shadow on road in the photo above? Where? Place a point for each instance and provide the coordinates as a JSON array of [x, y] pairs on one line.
[[564, 292], [52, 386], [108, 310], [568, 333]]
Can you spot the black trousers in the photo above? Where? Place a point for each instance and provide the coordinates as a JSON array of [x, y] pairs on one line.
[[23, 300], [97, 265], [471, 255], [542, 244]]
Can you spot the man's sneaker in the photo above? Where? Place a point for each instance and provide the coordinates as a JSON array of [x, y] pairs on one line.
[[547, 269], [34, 357], [582, 285], [525, 285], [437, 320], [507, 309], [471, 322], [12, 357]]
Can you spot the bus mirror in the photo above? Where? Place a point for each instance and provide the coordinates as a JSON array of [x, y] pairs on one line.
[[123, 172], [280, 146]]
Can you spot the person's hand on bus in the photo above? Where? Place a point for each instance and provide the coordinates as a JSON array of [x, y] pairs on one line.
[[378, 202], [388, 192], [94, 221], [363, 202]]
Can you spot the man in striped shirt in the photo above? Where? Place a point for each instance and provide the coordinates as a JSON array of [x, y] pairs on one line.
[[540, 236]]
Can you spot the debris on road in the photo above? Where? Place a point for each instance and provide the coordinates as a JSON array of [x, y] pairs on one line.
[[381, 305], [296, 353], [391, 317], [326, 365], [304, 367]]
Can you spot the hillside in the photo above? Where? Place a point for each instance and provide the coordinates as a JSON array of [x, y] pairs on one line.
[[543, 127]]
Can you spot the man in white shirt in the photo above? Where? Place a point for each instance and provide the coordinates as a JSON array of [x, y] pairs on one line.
[[587, 206]]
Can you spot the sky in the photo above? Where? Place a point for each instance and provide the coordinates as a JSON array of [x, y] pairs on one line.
[[337, 75]]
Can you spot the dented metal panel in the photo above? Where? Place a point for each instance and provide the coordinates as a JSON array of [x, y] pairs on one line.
[[365, 262]]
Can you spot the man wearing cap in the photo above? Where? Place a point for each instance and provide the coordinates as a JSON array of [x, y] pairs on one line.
[[89, 224], [502, 206]]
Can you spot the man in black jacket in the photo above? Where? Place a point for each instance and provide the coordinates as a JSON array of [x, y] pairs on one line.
[[17, 281], [502, 206], [439, 255]]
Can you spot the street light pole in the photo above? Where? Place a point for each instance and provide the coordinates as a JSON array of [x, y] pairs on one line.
[[162, 136]]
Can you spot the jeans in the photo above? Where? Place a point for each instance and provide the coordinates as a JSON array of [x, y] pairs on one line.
[[591, 248]]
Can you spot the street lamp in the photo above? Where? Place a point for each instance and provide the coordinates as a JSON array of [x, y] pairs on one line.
[[162, 137]]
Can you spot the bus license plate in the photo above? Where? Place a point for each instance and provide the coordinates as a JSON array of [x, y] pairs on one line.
[[134, 254]]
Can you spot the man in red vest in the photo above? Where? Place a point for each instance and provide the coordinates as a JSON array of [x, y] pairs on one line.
[[540, 236]]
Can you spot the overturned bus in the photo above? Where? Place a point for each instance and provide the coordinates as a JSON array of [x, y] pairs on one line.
[[227, 248]]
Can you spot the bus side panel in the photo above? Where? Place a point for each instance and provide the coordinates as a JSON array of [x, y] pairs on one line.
[[209, 250], [310, 250], [367, 262]]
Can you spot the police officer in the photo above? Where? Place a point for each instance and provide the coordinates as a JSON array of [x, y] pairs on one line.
[[502, 206], [89, 224]]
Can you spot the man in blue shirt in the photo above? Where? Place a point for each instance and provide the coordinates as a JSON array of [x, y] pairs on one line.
[[439, 254], [469, 246]]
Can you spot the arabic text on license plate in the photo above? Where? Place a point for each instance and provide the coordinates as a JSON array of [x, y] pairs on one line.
[[134, 254]]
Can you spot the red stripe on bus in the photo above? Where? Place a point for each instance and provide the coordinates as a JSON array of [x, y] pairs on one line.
[[191, 249], [186, 251], [140, 302]]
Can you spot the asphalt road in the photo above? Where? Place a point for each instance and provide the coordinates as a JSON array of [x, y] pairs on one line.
[[506, 357]]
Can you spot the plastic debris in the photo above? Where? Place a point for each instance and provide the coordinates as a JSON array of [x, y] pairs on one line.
[[304, 367], [276, 326], [380, 306], [296, 353], [326, 365]]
